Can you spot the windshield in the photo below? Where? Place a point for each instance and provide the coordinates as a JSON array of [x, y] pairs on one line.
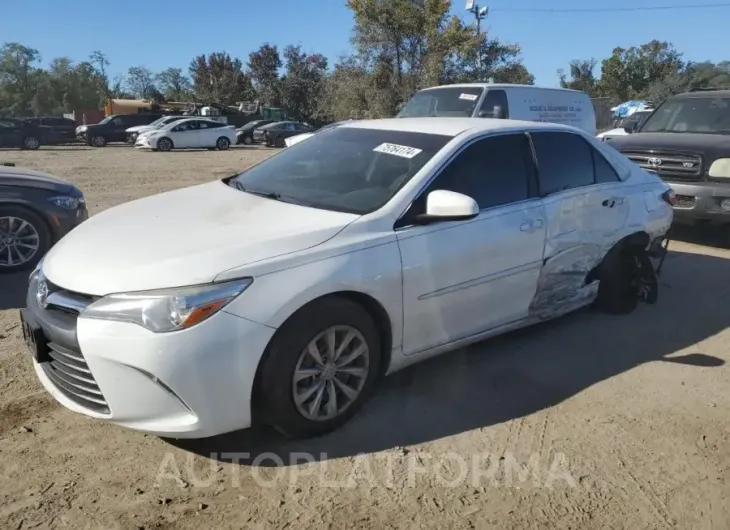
[[344, 169], [704, 115], [458, 102], [159, 121], [105, 120]]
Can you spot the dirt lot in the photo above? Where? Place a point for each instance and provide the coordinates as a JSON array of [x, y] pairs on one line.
[[586, 422]]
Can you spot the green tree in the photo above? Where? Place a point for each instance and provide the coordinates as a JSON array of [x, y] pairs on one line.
[[141, 82], [629, 73], [174, 85], [19, 77], [303, 84], [219, 78], [582, 76], [263, 67]]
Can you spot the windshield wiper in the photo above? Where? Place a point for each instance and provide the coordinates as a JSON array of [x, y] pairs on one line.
[[268, 194]]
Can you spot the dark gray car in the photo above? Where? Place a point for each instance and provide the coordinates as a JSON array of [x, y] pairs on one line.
[[36, 210]]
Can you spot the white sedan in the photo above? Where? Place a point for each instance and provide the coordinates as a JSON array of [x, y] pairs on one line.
[[291, 288], [188, 133]]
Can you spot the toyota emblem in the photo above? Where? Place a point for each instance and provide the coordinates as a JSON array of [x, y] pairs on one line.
[[655, 162]]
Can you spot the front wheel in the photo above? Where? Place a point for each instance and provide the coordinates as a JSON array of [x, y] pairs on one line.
[[164, 144], [98, 141], [279, 142], [223, 143], [247, 140], [319, 368], [24, 238]]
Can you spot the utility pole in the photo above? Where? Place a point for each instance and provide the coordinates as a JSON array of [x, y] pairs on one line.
[[480, 13]]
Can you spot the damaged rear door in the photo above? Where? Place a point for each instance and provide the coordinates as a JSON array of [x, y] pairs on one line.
[[586, 209]]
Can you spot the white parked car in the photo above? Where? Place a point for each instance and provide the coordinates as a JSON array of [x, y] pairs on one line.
[[630, 125], [134, 132], [188, 133], [291, 288]]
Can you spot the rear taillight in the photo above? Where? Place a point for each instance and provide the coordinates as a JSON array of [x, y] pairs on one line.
[[670, 197]]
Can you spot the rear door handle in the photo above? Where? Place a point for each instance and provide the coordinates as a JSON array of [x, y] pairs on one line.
[[609, 203]]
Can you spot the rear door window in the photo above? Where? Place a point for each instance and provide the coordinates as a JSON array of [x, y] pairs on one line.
[[564, 161]]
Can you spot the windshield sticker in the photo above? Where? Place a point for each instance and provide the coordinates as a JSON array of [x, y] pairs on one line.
[[469, 97], [402, 151]]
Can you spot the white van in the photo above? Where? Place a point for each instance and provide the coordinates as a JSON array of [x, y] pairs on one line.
[[504, 101]]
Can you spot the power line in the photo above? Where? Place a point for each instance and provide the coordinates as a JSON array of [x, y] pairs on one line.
[[611, 9]]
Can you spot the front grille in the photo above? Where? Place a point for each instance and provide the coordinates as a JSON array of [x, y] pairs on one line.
[[685, 201], [670, 165], [70, 374], [68, 301]]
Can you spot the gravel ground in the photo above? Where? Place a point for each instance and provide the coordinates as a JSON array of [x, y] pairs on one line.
[[589, 421]]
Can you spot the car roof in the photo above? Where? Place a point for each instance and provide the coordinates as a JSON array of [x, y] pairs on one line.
[[500, 85], [452, 126], [15, 171]]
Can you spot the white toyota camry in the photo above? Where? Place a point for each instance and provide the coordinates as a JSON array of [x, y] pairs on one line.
[[287, 291], [188, 133]]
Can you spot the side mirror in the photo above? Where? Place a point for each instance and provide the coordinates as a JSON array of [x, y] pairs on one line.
[[498, 112], [443, 205], [629, 128]]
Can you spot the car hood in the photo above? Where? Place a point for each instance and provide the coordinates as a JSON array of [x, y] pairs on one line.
[[298, 138], [613, 132], [183, 237], [710, 145], [139, 129], [30, 178]]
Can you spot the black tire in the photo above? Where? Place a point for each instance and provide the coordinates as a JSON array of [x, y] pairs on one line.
[[30, 143], [97, 141], [274, 394], [617, 291], [279, 142], [222, 143], [247, 140], [164, 144], [38, 224]]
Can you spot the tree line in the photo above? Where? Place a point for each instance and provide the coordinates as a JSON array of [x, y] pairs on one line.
[[399, 47]]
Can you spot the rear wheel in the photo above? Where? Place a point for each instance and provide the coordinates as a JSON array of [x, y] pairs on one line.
[[319, 368], [627, 276], [31, 143], [223, 143], [24, 238]]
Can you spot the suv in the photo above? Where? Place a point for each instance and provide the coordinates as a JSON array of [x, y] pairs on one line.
[[112, 128], [64, 129], [686, 141], [19, 133]]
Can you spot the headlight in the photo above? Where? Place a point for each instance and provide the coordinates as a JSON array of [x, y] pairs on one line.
[[720, 169], [81, 128], [68, 203], [168, 309]]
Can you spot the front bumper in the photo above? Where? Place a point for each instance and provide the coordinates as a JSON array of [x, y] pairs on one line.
[[143, 143], [194, 383], [132, 138], [701, 202]]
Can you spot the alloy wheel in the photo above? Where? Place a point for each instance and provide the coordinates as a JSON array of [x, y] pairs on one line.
[[330, 373], [19, 241]]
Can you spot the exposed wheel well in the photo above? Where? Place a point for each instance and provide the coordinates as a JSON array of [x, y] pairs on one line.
[[376, 311], [32, 210], [636, 240]]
